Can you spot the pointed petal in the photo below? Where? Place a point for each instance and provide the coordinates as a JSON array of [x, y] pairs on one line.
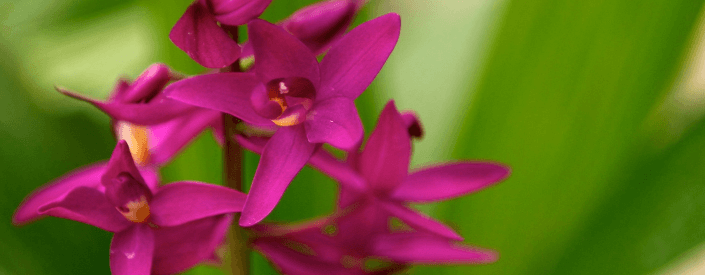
[[151, 177], [385, 160], [359, 223], [89, 206], [197, 33], [289, 261], [342, 172], [335, 121], [168, 139], [224, 92], [121, 161], [449, 181], [280, 55], [57, 190], [321, 160], [238, 12], [283, 157], [147, 85], [253, 143], [354, 61], [420, 221], [321, 23], [181, 202], [121, 92], [181, 247], [131, 251], [420, 248], [159, 110]]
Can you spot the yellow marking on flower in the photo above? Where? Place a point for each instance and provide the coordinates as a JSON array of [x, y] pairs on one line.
[[289, 120], [281, 102], [137, 138], [138, 210]]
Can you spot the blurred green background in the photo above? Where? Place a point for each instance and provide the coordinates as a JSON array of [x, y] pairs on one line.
[[596, 105]]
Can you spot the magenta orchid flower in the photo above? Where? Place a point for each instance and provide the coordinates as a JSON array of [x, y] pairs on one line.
[[155, 127], [342, 245], [384, 166], [158, 229], [379, 174], [311, 102], [198, 34]]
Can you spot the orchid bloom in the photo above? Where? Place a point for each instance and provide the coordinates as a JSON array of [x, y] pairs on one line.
[[311, 102], [379, 174], [343, 244], [155, 127], [158, 229], [384, 167], [198, 34]]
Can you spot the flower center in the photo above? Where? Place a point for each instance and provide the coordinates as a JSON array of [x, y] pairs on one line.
[[137, 138], [285, 100], [130, 197], [137, 211]]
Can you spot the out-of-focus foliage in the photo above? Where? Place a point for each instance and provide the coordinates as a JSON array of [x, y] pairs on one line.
[[566, 90], [559, 90]]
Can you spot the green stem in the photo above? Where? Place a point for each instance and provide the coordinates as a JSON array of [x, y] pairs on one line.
[[238, 241]]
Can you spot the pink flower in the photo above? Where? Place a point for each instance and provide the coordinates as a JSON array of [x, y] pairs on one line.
[[343, 243], [160, 230], [155, 127], [375, 188], [379, 174], [312, 102]]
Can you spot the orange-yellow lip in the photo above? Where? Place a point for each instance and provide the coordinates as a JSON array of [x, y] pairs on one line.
[[138, 210], [137, 138]]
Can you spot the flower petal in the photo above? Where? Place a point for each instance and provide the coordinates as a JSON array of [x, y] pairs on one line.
[[131, 251], [449, 181], [354, 61], [319, 24], [121, 161], [57, 190], [238, 12], [197, 33], [167, 139], [340, 171], [159, 110], [147, 85], [181, 202], [420, 221], [151, 177], [321, 160], [278, 54], [181, 247], [420, 248], [290, 261], [282, 158], [224, 92], [385, 160], [336, 122], [89, 206]]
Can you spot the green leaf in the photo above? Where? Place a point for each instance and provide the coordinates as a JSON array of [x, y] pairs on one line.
[[657, 216], [565, 90]]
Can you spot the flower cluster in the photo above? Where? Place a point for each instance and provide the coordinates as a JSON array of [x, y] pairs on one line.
[[289, 104]]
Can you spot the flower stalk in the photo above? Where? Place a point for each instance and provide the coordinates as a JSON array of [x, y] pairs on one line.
[[238, 241]]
